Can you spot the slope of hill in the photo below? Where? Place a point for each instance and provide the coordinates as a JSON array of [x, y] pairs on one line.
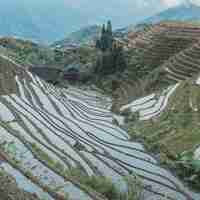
[[26, 52], [63, 141], [50, 63], [169, 116], [183, 65], [34, 20], [184, 12], [87, 35], [169, 124], [10, 190], [148, 51]]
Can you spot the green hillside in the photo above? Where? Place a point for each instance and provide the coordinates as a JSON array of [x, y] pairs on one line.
[[86, 36], [175, 134]]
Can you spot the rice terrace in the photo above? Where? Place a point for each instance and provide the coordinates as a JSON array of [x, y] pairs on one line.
[[108, 110]]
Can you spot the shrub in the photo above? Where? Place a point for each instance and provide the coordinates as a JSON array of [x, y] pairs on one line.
[[134, 189], [102, 185]]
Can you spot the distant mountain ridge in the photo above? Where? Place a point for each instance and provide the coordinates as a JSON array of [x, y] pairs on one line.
[[41, 21], [183, 12], [86, 35], [47, 21]]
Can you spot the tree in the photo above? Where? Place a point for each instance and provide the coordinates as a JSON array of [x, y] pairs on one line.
[[112, 58], [103, 40], [109, 35], [120, 61], [106, 39], [98, 44], [103, 31], [109, 28]]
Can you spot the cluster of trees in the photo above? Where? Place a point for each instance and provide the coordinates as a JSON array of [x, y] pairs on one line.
[[106, 40], [112, 58]]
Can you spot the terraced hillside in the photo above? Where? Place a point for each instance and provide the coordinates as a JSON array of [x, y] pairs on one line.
[[150, 106], [174, 43], [24, 52], [175, 120], [169, 124], [8, 70], [58, 143], [163, 40], [183, 65]]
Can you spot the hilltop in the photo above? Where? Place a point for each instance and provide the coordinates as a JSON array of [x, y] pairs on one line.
[[84, 36], [184, 12]]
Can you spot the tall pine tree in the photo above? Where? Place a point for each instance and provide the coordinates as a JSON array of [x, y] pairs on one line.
[[103, 31], [103, 38], [106, 40], [109, 35], [109, 28]]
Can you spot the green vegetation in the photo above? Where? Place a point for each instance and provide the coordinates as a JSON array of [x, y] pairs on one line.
[[134, 189], [83, 37], [26, 52], [189, 168], [149, 52], [106, 40], [175, 131], [30, 54], [111, 60], [100, 184], [106, 187], [109, 190]]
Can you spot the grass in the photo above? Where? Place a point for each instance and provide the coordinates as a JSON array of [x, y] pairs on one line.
[[106, 187], [177, 130], [134, 189], [100, 184], [44, 156], [189, 167], [178, 127]]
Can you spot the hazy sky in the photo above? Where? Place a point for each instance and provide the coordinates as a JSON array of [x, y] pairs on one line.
[[121, 12], [98, 10], [171, 3], [60, 17], [135, 3]]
